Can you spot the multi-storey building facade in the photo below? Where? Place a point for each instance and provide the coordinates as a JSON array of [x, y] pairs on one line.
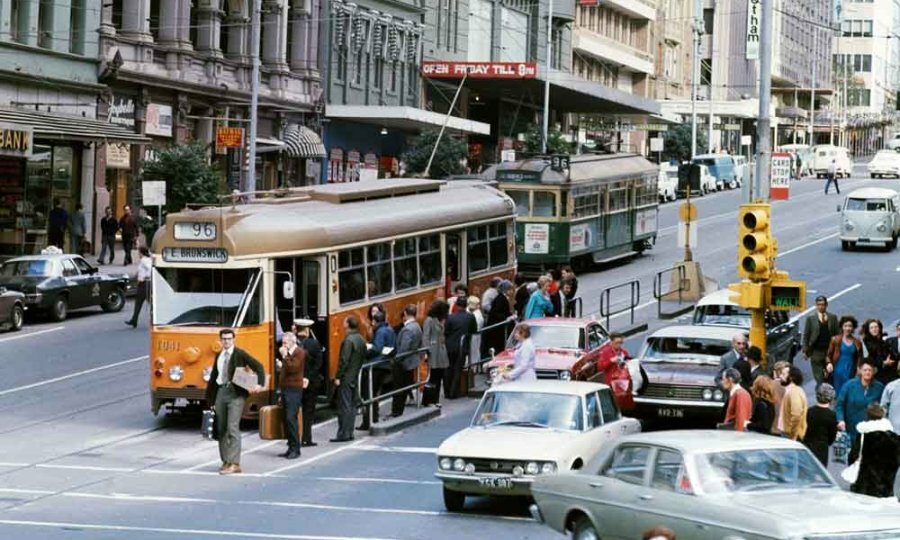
[[53, 143], [866, 61]]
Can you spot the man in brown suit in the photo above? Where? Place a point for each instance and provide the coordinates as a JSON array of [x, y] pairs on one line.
[[293, 362], [818, 329]]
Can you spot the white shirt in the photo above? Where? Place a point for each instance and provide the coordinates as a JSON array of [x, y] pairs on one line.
[[222, 379], [144, 269]]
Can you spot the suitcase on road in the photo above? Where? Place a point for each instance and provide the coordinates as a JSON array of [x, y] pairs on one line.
[[271, 423], [208, 425]]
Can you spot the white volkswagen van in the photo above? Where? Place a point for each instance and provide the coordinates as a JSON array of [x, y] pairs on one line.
[[870, 217]]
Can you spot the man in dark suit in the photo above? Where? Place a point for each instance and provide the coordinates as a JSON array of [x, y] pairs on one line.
[[292, 382], [228, 399], [460, 327], [818, 329], [738, 350], [313, 372], [353, 354], [560, 300], [406, 362], [754, 362]]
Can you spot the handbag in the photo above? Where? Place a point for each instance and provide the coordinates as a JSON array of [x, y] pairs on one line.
[[841, 447], [851, 473]]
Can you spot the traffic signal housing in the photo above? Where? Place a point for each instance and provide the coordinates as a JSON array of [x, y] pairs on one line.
[[756, 247], [786, 295]]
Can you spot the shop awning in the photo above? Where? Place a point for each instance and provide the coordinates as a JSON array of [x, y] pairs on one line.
[[302, 142], [70, 128], [408, 118]]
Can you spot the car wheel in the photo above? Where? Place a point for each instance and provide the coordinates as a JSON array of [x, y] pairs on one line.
[[845, 245], [454, 501], [16, 318], [59, 309], [873, 176], [115, 301], [584, 530]]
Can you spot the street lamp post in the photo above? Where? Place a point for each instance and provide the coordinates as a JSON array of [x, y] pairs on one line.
[[764, 149]]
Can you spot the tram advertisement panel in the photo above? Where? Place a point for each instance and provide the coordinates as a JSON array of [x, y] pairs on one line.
[[537, 238], [645, 222]]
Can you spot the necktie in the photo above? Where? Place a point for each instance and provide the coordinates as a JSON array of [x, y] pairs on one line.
[[226, 364]]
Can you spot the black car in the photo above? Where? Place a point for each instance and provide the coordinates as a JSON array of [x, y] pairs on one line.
[[54, 284], [12, 309]]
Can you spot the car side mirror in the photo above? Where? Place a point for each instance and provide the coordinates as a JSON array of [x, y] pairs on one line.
[[287, 290]]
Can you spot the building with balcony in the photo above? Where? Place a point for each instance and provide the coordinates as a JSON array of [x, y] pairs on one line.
[[53, 142], [867, 73]]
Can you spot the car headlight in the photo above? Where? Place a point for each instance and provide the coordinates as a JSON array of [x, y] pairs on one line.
[[707, 394], [470, 468], [518, 470], [446, 463], [718, 395], [207, 373], [565, 375], [532, 468], [176, 373], [459, 465], [548, 468], [848, 225], [882, 227]]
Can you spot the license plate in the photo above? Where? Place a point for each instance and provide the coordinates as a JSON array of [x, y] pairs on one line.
[[500, 483], [667, 412]]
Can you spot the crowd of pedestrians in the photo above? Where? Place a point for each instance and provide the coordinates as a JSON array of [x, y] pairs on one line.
[[857, 396]]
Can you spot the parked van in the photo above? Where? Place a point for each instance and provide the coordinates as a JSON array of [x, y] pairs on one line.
[[721, 166], [701, 183], [667, 184], [741, 169], [822, 156], [870, 216]]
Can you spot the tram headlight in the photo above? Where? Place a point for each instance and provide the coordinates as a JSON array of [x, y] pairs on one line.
[[176, 373], [207, 373]]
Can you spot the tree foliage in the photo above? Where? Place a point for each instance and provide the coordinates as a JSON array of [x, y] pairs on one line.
[[188, 175], [448, 160], [556, 144], [677, 142]]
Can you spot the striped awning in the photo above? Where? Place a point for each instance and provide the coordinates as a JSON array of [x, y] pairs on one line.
[[302, 142], [70, 128]]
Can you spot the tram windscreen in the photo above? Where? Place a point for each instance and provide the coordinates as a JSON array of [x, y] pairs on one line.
[[204, 296]]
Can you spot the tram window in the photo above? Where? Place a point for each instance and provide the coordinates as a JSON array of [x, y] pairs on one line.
[[381, 280], [586, 204], [405, 269], [647, 193], [478, 248], [520, 198], [430, 259], [618, 199], [351, 276], [203, 296], [544, 204], [498, 248]]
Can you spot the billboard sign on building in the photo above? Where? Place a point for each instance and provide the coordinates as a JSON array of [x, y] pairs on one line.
[[118, 156], [121, 111], [754, 20], [159, 120], [479, 70], [16, 140]]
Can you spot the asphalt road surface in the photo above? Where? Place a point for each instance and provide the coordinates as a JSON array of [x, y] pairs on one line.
[[81, 456]]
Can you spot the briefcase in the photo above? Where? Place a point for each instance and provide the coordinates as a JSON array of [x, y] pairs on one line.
[[208, 425], [271, 423]]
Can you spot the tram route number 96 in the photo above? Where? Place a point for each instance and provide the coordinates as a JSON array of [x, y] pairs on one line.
[[195, 230]]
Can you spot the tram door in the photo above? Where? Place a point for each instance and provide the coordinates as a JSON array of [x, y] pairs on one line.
[[455, 259], [307, 301]]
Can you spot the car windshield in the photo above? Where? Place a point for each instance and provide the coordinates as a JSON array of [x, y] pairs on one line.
[[723, 315], [685, 349], [27, 268], [760, 469], [867, 205], [553, 337], [530, 409], [205, 297], [886, 154]]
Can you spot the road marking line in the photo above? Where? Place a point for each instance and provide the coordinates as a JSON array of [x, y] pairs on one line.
[[196, 532], [316, 458], [277, 504], [401, 449], [27, 491], [72, 375], [13, 464], [243, 453], [204, 473], [830, 298], [373, 480], [37, 333], [808, 244], [83, 468]]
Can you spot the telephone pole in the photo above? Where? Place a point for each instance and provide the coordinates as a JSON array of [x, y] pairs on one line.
[[250, 184], [763, 126], [695, 76], [546, 118]]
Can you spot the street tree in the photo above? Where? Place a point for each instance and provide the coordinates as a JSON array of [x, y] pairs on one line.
[[448, 160], [677, 142], [556, 144], [187, 173]]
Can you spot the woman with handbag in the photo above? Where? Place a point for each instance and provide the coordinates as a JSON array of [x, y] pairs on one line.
[[844, 354], [878, 448]]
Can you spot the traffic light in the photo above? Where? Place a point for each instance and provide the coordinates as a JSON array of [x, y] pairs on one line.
[[756, 247], [748, 295], [786, 295]]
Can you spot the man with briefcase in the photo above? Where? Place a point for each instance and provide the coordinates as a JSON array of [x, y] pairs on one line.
[[293, 360]]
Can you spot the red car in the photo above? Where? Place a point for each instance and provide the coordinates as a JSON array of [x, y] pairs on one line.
[[562, 346]]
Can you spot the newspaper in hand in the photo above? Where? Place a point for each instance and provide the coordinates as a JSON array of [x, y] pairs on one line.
[[246, 379]]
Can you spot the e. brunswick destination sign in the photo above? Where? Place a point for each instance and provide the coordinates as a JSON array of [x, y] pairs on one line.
[[16, 140]]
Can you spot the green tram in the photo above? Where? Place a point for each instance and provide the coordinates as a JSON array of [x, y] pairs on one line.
[[580, 210]]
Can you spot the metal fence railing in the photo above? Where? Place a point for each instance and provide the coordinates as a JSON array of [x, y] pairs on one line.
[[366, 372], [674, 294]]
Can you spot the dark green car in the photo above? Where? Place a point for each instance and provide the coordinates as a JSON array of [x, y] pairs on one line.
[[56, 284]]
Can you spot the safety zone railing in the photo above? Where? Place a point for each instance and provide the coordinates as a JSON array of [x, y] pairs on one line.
[[366, 373], [678, 284], [627, 297]]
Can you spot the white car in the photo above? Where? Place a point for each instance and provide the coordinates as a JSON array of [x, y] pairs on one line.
[[523, 430], [823, 155], [870, 216], [667, 183], [894, 143], [885, 163]]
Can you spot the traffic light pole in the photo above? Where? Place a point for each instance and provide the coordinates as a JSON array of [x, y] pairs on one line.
[[763, 125]]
